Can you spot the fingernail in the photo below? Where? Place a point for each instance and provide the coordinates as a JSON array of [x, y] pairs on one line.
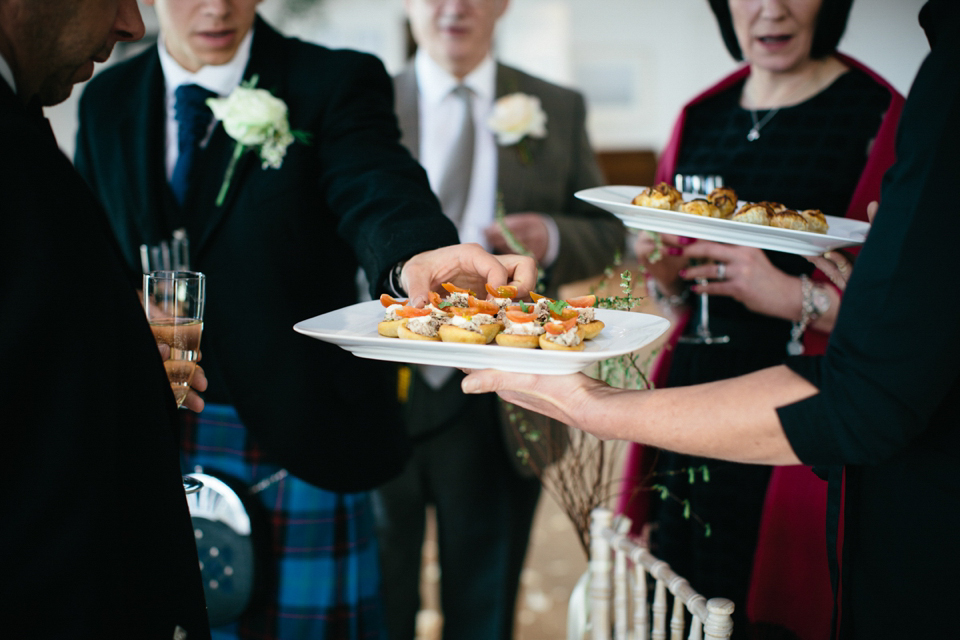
[[685, 240], [468, 386], [683, 273], [674, 251]]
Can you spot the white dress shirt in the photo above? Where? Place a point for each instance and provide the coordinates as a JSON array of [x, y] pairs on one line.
[[221, 79]]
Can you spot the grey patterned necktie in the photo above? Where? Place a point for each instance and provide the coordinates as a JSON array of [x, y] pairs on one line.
[[452, 192], [454, 187]]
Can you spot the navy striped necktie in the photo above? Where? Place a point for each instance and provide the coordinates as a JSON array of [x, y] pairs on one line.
[[193, 120]]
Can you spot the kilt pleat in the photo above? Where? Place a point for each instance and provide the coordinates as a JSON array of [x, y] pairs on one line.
[[322, 577]]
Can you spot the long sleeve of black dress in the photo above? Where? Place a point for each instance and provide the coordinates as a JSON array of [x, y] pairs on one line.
[[888, 405], [894, 356]]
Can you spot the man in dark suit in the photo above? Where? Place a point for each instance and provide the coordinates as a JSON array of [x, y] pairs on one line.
[[281, 246], [461, 464], [95, 534]]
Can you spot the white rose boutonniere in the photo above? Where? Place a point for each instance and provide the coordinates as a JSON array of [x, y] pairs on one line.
[[256, 119], [516, 117]]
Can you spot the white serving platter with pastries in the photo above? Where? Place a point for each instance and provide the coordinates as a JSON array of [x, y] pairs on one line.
[[354, 328], [842, 232]]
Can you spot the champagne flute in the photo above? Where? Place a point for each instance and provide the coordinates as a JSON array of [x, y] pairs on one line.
[[701, 185], [174, 301]]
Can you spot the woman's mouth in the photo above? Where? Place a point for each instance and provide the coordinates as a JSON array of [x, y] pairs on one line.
[[772, 43], [773, 40]]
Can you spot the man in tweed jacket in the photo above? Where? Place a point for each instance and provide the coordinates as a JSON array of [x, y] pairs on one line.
[[460, 463]]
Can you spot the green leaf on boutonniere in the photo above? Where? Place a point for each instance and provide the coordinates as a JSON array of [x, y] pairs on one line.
[[255, 119], [523, 151], [515, 245]]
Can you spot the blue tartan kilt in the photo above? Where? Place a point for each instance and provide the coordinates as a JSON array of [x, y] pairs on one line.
[[322, 575]]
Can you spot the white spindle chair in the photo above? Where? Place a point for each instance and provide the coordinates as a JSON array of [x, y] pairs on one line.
[[612, 556]]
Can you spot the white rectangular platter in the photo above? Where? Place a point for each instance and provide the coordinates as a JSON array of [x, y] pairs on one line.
[[354, 328], [842, 232]]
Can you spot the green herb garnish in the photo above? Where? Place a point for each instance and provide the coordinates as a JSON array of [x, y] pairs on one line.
[[557, 306]]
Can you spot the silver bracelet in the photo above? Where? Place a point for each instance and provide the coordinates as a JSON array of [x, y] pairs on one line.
[[795, 346], [813, 304]]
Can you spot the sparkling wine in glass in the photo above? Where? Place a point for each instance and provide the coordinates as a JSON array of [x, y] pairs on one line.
[[701, 185], [174, 302]]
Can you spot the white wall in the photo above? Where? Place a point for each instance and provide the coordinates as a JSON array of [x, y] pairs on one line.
[[637, 61]]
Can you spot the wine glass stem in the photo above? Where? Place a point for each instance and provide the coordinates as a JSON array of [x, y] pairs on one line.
[[703, 329]]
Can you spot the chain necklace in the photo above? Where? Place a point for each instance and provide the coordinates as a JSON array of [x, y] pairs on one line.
[[754, 133], [815, 80]]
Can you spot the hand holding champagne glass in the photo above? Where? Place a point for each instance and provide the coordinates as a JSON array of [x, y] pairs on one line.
[[174, 302], [701, 186]]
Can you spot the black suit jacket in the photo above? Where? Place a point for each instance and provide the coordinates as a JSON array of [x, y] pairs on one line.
[[284, 246], [95, 537]]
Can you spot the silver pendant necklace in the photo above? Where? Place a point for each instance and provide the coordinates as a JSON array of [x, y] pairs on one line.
[[754, 133]]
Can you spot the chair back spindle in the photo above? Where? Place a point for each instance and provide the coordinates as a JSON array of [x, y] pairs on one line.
[[617, 574]]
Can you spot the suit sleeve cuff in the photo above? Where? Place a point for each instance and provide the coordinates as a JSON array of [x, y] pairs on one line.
[[392, 284]]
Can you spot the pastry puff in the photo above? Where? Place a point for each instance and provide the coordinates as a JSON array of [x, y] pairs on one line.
[[788, 219], [662, 196], [724, 199], [701, 207], [758, 213], [816, 221], [775, 207]]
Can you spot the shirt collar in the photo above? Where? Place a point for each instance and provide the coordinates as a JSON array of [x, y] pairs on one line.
[[221, 78], [435, 82], [7, 74]]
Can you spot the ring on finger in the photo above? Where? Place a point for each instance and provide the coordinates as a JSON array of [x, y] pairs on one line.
[[721, 271], [839, 260]]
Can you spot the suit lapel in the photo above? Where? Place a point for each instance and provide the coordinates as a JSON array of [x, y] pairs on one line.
[[407, 105], [266, 62], [142, 131], [511, 173]]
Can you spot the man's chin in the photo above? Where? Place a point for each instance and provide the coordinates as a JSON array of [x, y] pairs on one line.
[[52, 95], [83, 73], [58, 89]]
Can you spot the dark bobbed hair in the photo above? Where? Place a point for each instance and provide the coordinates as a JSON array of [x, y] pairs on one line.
[[831, 23]]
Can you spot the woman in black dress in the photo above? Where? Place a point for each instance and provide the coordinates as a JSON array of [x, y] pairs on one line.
[[800, 125]]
